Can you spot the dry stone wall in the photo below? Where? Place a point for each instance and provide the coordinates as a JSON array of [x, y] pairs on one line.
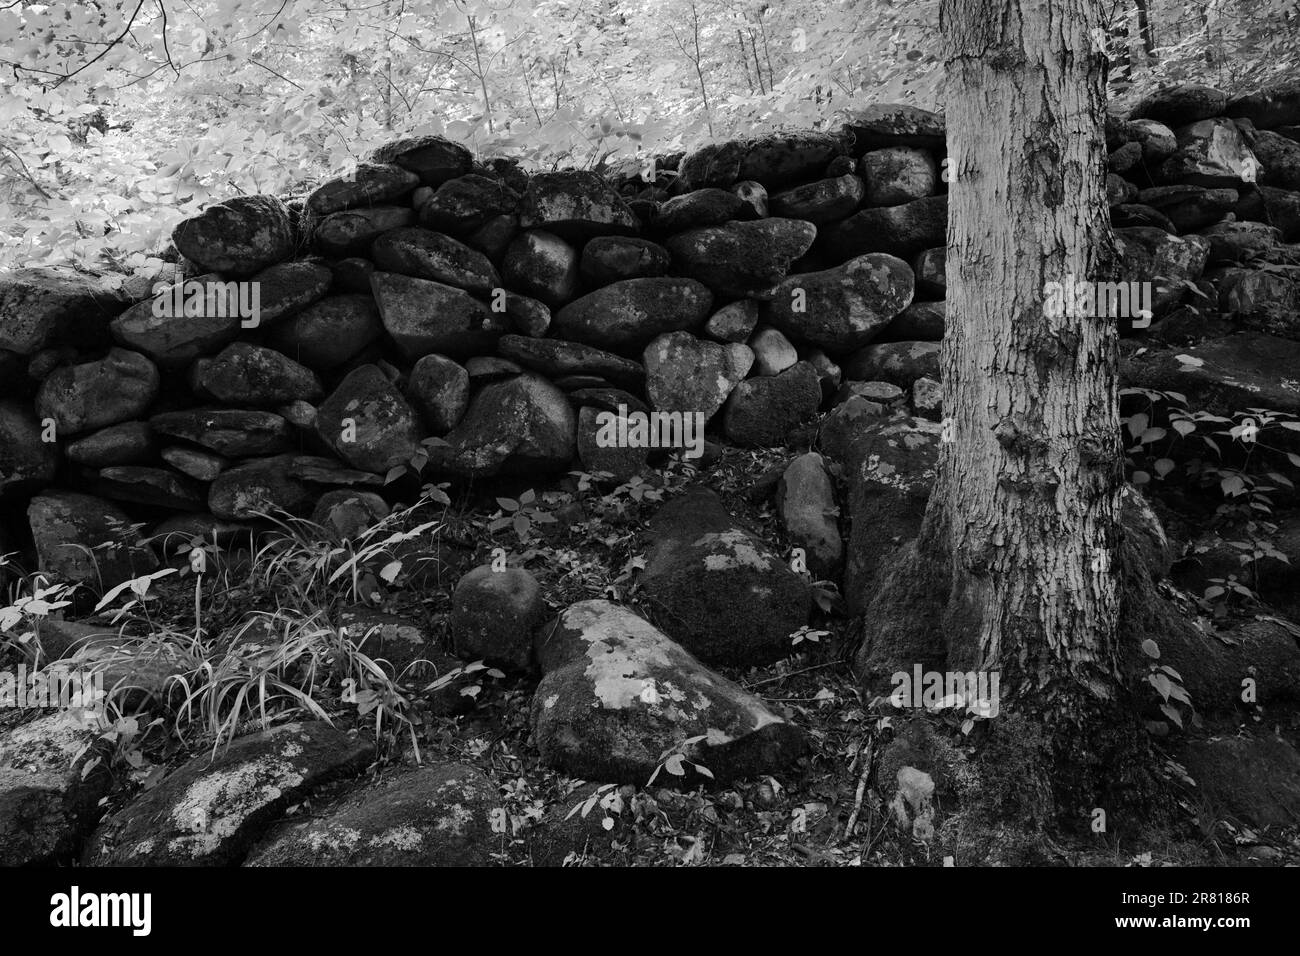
[[302, 350]]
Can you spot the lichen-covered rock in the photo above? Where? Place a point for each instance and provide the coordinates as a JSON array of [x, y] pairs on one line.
[[53, 773], [617, 694], [843, 308], [772, 161], [763, 411], [686, 374], [494, 614], [257, 488], [623, 317], [370, 184], [1280, 156], [425, 254], [899, 363], [542, 265], [556, 358], [70, 529], [607, 259], [244, 374], [898, 174], [350, 233], [198, 464], [1152, 255], [240, 236], [368, 423], [901, 231], [423, 316], [717, 589], [1240, 241], [287, 287], [209, 811], [434, 159], [520, 425], [805, 502], [742, 258], [930, 268], [232, 432], [44, 307], [1277, 105], [441, 815], [575, 204], [327, 333]]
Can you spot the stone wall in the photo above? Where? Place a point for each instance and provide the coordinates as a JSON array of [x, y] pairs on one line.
[[430, 304]]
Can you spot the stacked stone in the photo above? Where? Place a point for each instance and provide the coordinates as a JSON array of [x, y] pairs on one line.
[[430, 296]]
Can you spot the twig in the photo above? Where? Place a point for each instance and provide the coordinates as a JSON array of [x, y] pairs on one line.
[[803, 670], [100, 54], [862, 789]]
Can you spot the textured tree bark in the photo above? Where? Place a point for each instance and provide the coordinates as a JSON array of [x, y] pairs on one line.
[[1015, 569]]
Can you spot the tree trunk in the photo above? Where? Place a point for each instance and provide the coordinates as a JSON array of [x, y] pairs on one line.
[[1015, 566]]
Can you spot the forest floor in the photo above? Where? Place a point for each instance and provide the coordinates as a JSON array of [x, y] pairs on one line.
[[822, 811]]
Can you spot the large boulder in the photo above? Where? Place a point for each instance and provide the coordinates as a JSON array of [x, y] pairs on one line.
[[156, 487], [425, 254], [764, 411], [717, 589], [465, 204], [86, 540], [439, 388], [1280, 156], [443, 815], [45, 307], [240, 236], [575, 204], [434, 159], [742, 258], [618, 695], [494, 614], [127, 443], [27, 462], [244, 374], [368, 423], [1189, 207], [53, 773], [772, 161], [1167, 262], [173, 339], [843, 308], [700, 208], [624, 316], [521, 425], [1274, 106], [686, 374], [423, 316], [903, 230], [211, 809]]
